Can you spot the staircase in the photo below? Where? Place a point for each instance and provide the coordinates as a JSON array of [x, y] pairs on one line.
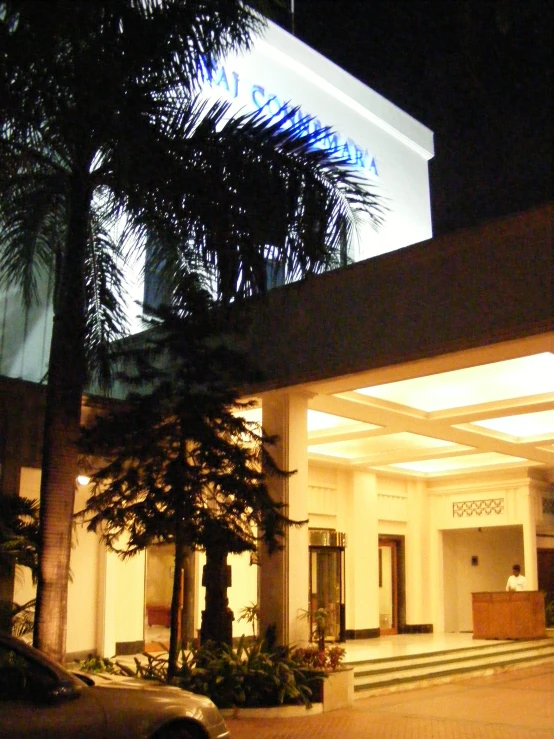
[[373, 677]]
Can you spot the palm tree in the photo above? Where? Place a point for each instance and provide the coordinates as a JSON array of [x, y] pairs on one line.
[[99, 120], [18, 533], [19, 528]]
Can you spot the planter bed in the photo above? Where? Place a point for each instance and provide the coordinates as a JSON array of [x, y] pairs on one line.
[[338, 692]]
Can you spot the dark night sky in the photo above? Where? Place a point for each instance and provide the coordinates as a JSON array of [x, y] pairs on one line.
[[477, 72]]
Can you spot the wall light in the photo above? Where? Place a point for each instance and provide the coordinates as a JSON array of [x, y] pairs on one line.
[[83, 480]]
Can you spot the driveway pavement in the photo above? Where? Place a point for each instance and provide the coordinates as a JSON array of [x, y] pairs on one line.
[[516, 704]]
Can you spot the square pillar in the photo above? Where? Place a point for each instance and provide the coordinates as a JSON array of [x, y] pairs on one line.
[[362, 606], [420, 571], [284, 575]]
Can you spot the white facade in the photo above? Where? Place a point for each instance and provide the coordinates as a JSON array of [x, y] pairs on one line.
[[387, 145]]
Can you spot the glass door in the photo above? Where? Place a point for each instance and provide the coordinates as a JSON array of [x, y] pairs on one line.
[[388, 586], [327, 590]]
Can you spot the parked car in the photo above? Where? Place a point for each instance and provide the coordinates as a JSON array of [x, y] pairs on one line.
[[40, 698]]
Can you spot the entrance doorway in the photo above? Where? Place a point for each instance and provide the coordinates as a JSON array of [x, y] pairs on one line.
[[388, 585], [327, 583], [545, 563]]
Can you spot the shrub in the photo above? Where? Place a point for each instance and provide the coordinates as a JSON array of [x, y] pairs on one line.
[[327, 659], [248, 676]]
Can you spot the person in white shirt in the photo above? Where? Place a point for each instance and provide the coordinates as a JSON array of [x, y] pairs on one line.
[[516, 581]]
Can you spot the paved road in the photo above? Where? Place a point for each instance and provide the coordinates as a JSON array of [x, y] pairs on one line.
[[516, 704]]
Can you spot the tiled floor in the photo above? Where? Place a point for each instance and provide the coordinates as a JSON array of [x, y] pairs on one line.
[[363, 649], [516, 704], [512, 705], [404, 645]]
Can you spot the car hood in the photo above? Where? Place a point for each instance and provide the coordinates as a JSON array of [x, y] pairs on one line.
[[122, 682], [149, 703]]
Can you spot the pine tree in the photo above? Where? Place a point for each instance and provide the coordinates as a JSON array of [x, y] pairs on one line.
[[184, 465]]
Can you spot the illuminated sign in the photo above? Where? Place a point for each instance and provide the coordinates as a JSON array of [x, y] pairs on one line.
[[265, 101]]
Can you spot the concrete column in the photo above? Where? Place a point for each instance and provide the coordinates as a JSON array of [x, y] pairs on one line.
[[529, 538], [362, 607], [418, 571], [436, 579], [284, 576], [107, 600]]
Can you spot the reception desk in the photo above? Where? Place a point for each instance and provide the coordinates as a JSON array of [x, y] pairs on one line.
[[508, 615]]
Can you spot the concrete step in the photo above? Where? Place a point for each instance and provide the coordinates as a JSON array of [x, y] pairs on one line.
[[400, 673]]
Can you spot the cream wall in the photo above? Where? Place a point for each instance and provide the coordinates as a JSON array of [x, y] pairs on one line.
[[496, 550], [444, 523], [160, 564], [244, 591], [365, 506], [82, 599]]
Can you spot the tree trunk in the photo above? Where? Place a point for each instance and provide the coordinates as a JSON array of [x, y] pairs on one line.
[[187, 616], [175, 637], [66, 379], [217, 618]]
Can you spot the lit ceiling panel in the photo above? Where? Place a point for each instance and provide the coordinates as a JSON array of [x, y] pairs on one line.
[[525, 426], [318, 421], [453, 464], [512, 378], [378, 445]]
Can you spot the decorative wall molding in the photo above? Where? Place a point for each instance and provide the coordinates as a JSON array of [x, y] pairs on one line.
[[481, 484], [484, 507], [391, 507], [322, 500]]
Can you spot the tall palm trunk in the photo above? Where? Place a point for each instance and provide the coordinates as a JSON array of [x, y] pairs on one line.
[[66, 378]]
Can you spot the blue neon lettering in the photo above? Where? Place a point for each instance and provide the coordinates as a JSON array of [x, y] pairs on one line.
[[361, 157], [332, 142], [273, 106], [286, 121], [258, 90], [236, 85], [345, 152], [223, 81], [302, 123]]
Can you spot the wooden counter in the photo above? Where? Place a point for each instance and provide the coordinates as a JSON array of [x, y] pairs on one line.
[[508, 615]]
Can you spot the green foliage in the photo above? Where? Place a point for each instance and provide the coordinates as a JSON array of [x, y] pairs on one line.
[[245, 676], [250, 614], [318, 621], [97, 665], [19, 618], [327, 659], [19, 526], [183, 460]]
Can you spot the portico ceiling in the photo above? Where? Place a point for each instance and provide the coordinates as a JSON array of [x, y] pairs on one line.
[[478, 410]]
